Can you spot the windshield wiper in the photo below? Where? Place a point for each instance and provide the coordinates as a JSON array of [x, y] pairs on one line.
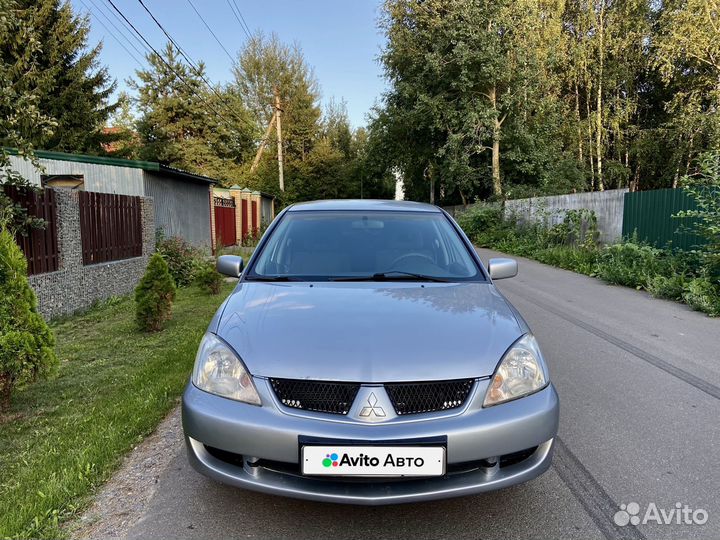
[[273, 278], [393, 275]]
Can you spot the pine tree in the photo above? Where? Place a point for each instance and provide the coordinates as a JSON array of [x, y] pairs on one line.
[[26, 342], [154, 295], [75, 90], [22, 123], [185, 124]]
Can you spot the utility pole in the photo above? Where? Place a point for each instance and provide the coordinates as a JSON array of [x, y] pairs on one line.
[[278, 114], [261, 148]]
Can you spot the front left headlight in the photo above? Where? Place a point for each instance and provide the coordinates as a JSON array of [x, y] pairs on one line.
[[520, 373], [219, 371]]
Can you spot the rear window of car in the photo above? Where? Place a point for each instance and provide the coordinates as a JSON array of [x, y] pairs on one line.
[[326, 244]]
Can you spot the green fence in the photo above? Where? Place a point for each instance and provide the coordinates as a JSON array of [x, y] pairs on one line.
[[649, 214]]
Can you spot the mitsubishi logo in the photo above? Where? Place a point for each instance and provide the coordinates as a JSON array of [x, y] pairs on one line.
[[372, 408]]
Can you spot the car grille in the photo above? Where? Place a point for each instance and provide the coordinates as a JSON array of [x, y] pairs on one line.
[[318, 396], [414, 398], [337, 398]]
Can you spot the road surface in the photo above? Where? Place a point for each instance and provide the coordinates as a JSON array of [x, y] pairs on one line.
[[639, 383]]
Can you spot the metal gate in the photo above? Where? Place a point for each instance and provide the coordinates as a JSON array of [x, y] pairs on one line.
[[225, 231]]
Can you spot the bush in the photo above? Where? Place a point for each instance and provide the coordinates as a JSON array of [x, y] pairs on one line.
[[580, 260], [26, 342], [670, 287], [181, 257], [208, 278], [484, 224], [628, 263], [703, 295], [154, 295]]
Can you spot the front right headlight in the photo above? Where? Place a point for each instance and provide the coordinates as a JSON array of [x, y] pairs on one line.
[[219, 371], [520, 373]]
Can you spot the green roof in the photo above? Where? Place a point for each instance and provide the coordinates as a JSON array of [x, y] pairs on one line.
[[151, 166]]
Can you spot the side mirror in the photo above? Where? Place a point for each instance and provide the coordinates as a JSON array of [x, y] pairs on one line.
[[230, 265], [502, 268]]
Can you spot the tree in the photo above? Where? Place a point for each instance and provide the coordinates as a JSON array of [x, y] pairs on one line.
[[26, 342], [72, 87], [21, 120], [154, 295], [185, 124], [460, 73], [687, 54], [266, 66]]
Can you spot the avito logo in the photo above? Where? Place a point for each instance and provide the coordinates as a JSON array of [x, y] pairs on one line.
[[362, 460], [330, 460]]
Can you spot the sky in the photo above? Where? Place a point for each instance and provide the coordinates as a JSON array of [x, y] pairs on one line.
[[339, 38]]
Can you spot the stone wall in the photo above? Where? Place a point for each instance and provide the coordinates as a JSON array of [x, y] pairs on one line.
[[74, 286]]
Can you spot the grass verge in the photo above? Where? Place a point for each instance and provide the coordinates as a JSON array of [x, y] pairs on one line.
[[64, 437]]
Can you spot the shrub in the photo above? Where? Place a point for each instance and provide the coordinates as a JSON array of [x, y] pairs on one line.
[[670, 287], [208, 278], [181, 257], [703, 295], [26, 342], [484, 224], [580, 260], [154, 295], [628, 263]]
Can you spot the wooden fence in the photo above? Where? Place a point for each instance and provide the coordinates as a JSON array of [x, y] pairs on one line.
[[40, 245], [110, 227]]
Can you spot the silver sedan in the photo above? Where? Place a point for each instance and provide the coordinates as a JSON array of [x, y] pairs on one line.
[[366, 357]]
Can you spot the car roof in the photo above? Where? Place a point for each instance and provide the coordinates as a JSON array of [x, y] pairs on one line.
[[364, 204]]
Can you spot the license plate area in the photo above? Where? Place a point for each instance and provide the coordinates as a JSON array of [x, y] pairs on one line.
[[388, 459]]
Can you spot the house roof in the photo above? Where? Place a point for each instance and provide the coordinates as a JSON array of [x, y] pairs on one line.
[[150, 166]]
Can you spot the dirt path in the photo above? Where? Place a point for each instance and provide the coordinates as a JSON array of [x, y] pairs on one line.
[[126, 496]]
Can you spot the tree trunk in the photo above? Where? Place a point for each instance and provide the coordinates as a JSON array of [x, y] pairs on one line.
[[497, 185], [598, 112], [429, 176], [591, 158], [635, 183], [579, 124]]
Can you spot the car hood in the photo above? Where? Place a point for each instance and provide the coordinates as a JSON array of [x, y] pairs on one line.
[[369, 332]]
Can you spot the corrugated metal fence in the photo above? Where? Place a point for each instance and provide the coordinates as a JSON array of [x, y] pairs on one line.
[[649, 214]]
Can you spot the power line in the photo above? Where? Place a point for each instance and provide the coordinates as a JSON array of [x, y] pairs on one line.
[[125, 28], [207, 104], [193, 65], [210, 30], [239, 16], [247, 27], [98, 19], [100, 9]]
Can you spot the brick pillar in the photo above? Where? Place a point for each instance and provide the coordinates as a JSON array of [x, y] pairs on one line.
[[212, 220], [236, 194]]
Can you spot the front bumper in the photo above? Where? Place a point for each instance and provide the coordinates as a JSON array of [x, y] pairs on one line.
[[270, 434]]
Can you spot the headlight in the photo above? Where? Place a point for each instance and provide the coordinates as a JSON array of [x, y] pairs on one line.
[[519, 373], [219, 371]]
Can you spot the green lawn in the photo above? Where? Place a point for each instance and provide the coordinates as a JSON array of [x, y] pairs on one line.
[[65, 436]]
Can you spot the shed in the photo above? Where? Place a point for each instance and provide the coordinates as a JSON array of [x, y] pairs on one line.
[[181, 200]]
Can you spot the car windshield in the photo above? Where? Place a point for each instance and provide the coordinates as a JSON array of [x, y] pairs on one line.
[[365, 245]]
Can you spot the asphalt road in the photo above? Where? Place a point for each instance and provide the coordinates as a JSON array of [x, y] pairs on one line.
[[639, 383]]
